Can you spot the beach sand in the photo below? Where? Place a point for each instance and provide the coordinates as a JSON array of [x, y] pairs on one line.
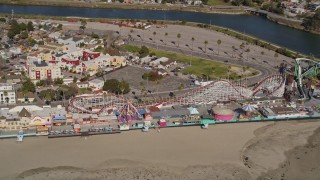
[[229, 151]]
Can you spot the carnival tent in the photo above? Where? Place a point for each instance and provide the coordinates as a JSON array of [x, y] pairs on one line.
[[193, 111], [248, 108]]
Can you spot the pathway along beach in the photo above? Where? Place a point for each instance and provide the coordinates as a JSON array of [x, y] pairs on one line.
[[229, 151]]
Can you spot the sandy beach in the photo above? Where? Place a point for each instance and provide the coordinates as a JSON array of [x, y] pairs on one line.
[[231, 151]]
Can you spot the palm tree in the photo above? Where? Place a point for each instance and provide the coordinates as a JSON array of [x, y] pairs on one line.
[[192, 39], [247, 51], [157, 82], [180, 87], [154, 36], [178, 36], [83, 25], [262, 53], [130, 34], [205, 46], [276, 55], [229, 69], [233, 49], [213, 69], [166, 35], [219, 42]]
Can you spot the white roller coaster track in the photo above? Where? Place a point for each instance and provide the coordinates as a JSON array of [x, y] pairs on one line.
[[221, 90]]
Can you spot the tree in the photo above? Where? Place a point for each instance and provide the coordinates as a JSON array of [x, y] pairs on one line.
[[100, 73], [24, 35], [83, 23], [143, 51], [124, 87], [30, 26], [117, 87], [180, 87], [312, 23], [15, 29], [158, 83], [151, 76], [75, 79], [58, 81], [205, 46], [178, 36], [28, 86], [192, 39], [219, 42], [247, 51], [166, 34], [276, 55], [59, 27], [23, 26], [95, 36], [66, 92], [31, 41], [154, 36], [40, 83], [111, 85]]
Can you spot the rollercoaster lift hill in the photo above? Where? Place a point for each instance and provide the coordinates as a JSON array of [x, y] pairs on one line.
[[303, 71]]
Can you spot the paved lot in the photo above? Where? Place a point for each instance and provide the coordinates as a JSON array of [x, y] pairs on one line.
[[133, 75]]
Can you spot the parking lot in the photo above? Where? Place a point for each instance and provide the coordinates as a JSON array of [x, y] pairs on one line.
[[133, 75]]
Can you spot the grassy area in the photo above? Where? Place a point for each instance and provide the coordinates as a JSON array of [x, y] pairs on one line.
[[217, 2], [199, 67], [133, 49]]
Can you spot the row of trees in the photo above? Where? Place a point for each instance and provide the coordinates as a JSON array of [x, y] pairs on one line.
[[145, 51], [64, 92], [47, 82]]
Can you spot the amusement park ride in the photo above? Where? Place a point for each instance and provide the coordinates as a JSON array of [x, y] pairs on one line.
[[221, 90], [304, 69]]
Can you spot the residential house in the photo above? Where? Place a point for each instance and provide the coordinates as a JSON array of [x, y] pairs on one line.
[[67, 80], [25, 98], [13, 79], [96, 84], [145, 60], [158, 61], [82, 84], [118, 61], [167, 64], [54, 35], [162, 72], [7, 94]]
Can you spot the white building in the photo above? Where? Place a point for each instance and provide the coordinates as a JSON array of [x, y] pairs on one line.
[[41, 70], [158, 61], [96, 84], [82, 85], [54, 35], [7, 94]]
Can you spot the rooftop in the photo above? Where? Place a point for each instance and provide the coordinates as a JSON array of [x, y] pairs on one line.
[[40, 64], [96, 81]]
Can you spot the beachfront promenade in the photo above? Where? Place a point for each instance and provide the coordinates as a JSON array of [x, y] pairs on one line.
[[174, 123]]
